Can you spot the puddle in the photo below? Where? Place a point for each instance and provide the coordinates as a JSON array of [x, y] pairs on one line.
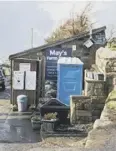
[[17, 130]]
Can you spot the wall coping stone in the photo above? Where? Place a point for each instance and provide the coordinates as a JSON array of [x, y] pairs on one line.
[[79, 97], [93, 80]]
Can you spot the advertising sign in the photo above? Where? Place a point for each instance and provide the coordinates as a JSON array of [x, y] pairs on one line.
[[52, 55]]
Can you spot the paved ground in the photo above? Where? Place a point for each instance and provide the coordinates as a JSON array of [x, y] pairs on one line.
[[16, 133]]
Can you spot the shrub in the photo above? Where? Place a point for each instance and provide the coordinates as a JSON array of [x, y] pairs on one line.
[[50, 116]]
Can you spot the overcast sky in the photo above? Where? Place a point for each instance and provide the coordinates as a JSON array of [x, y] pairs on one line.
[[17, 19]]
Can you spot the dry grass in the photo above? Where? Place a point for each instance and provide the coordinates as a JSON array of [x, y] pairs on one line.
[[63, 142], [111, 105], [111, 100], [112, 95]]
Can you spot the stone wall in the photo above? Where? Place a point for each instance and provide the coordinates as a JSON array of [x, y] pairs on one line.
[[105, 127], [106, 60], [96, 89], [80, 110], [110, 82]]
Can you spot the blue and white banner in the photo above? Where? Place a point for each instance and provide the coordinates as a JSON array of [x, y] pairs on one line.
[[52, 55]]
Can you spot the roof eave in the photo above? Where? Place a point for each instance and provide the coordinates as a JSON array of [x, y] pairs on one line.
[[40, 48]]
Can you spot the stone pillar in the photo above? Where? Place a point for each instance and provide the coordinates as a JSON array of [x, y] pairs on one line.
[[80, 110], [94, 87], [96, 90]]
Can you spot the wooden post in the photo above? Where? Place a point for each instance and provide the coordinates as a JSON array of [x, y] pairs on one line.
[[40, 71]]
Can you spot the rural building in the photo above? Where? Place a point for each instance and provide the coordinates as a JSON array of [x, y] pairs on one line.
[[80, 46]]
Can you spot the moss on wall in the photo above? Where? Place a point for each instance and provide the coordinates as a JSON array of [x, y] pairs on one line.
[[111, 100]]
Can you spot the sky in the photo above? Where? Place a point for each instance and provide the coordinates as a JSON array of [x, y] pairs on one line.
[[17, 18]]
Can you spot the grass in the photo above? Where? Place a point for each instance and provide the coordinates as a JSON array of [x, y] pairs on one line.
[[111, 100]]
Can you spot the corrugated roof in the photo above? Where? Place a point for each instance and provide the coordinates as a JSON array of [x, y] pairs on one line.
[[40, 48]]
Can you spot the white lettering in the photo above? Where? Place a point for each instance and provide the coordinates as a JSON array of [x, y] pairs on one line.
[[52, 52], [58, 53], [52, 58]]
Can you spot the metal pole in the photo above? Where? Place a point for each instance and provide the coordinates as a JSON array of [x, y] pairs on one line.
[[32, 37]]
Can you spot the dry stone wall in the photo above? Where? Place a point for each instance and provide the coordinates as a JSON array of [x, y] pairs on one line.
[[88, 108], [96, 89], [106, 63], [106, 60], [110, 82], [80, 111]]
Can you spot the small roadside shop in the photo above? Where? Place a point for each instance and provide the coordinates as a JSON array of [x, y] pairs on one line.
[[33, 69]]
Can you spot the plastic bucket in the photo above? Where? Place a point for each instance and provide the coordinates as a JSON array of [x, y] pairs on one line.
[[22, 103]]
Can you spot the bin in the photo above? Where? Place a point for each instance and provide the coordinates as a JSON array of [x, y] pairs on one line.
[[22, 103]]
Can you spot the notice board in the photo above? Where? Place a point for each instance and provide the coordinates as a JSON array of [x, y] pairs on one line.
[[18, 80], [52, 55], [30, 80]]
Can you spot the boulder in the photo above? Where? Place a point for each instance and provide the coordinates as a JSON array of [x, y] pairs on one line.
[[102, 127]]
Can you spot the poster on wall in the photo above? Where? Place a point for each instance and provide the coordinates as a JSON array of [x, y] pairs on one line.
[[18, 80], [30, 80], [52, 55], [24, 66]]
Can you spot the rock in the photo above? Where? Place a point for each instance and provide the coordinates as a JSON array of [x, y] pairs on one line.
[[94, 88], [47, 82], [98, 100], [102, 127], [97, 106], [96, 113], [101, 123], [97, 138], [94, 118], [48, 87], [87, 106], [51, 93]]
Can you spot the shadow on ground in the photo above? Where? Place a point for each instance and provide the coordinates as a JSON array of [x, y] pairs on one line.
[[17, 130]]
